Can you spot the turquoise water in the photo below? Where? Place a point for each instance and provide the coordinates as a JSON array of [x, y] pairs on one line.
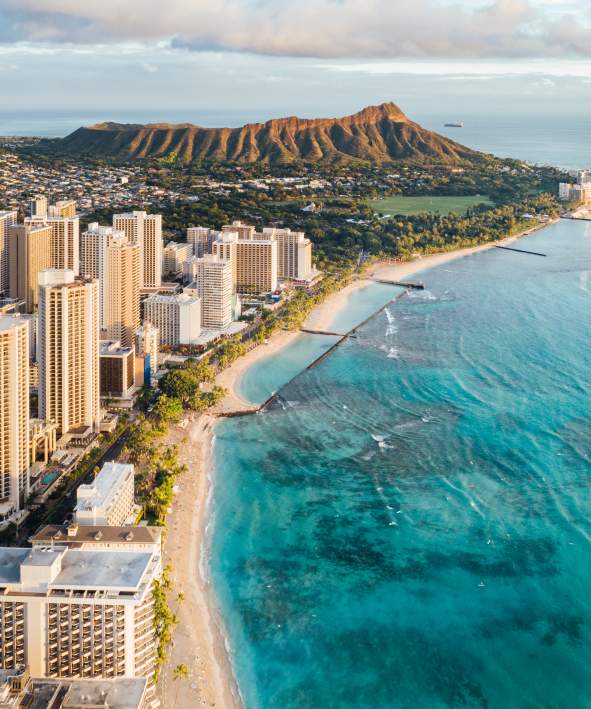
[[409, 525], [269, 374]]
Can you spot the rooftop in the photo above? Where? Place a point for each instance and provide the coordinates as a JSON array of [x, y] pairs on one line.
[[76, 535], [10, 564], [121, 570], [10, 322], [104, 487]]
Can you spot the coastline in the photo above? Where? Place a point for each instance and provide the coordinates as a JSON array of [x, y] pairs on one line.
[[324, 315], [198, 639]]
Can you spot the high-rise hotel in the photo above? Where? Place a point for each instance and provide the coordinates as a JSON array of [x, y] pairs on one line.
[[108, 255], [14, 415], [213, 279], [68, 352], [84, 610], [65, 230], [29, 253], [146, 230]]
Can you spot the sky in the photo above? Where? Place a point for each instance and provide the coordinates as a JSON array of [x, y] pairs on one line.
[[229, 61]]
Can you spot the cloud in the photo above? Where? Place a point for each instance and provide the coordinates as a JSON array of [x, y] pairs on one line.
[[315, 28]]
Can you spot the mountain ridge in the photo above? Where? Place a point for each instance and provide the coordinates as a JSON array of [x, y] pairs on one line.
[[376, 134]]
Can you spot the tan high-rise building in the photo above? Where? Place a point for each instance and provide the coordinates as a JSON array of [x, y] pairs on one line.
[[146, 230], [173, 257], [213, 278], [201, 239], [256, 266], [7, 219], [29, 253], [63, 208], [65, 239], [38, 206], [244, 231], [68, 352], [14, 415], [120, 285], [294, 253]]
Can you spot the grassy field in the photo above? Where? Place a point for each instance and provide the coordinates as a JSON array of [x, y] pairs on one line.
[[415, 205]]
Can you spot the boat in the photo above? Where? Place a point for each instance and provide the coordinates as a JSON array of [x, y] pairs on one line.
[[459, 124]]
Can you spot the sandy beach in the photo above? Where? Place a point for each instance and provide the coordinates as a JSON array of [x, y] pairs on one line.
[[198, 639]]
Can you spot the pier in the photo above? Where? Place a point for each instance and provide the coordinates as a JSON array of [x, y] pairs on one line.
[[322, 332], [412, 285], [520, 251], [238, 408]]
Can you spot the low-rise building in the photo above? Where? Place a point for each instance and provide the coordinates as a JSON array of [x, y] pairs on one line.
[[117, 370], [109, 498]]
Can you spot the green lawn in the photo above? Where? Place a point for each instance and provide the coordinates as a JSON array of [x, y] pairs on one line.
[[414, 205]]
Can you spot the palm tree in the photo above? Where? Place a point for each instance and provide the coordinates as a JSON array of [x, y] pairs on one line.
[[181, 671]]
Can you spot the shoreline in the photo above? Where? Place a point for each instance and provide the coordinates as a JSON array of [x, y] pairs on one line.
[[324, 315], [198, 639]]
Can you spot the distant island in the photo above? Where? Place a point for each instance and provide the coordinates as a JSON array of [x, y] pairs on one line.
[[377, 134]]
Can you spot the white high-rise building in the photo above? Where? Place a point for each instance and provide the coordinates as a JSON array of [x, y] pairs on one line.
[[14, 415], [213, 277], [7, 219], [68, 352], [146, 230], [177, 317]]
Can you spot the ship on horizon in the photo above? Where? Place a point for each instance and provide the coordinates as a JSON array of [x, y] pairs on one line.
[[459, 124]]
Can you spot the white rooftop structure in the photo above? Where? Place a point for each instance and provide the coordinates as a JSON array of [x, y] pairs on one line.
[[108, 499]]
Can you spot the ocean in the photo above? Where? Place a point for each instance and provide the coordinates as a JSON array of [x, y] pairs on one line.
[[408, 525], [553, 138]]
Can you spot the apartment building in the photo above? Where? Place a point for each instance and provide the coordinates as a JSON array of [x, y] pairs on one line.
[[213, 278], [68, 352], [29, 253], [78, 613], [173, 257], [14, 415], [146, 230], [7, 219], [177, 317], [108, 499], [146, 344], [117, 370]]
